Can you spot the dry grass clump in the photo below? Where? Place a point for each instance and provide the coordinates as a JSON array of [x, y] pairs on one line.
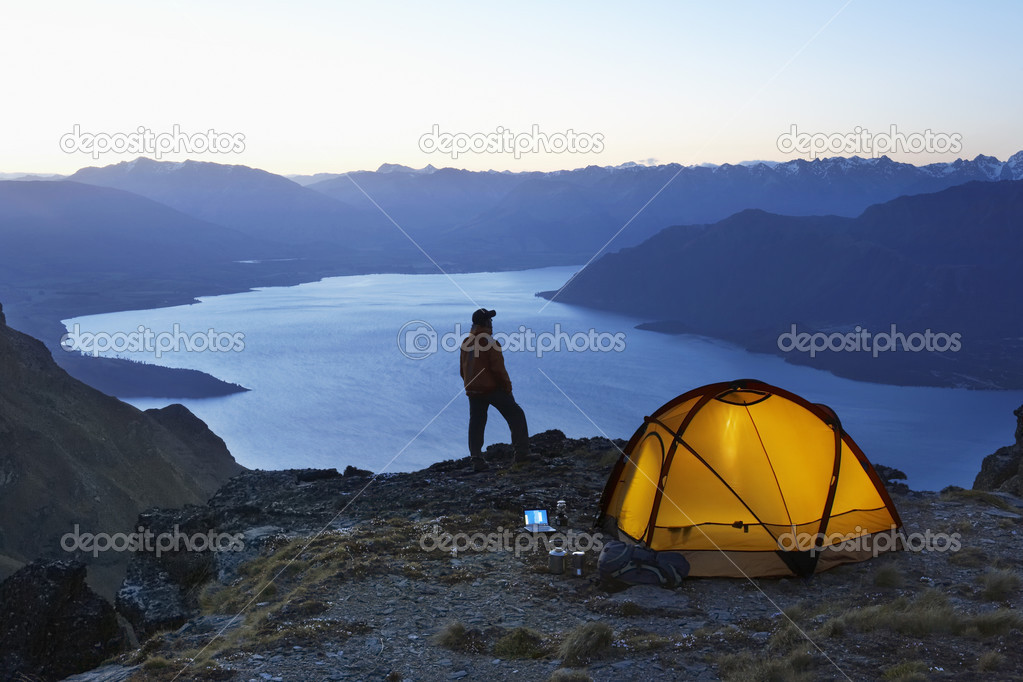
[[805, 610], [630, 608], [586, 643], [889, 576], [929, 613], [991, 661], [749, 667], [456, 637], [907, 671], [157, 663], [785, 637], [998, 584], [970, 557], [635, 641], [956, 493], [288, 627], [298, 567], [992, 623], [521, 643], [188, 666]]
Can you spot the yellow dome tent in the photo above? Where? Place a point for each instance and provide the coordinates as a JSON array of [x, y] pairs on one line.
[[745, 479]]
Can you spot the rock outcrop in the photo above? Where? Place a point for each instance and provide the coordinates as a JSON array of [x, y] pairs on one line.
[[73, 459], [256, 509], [1002, 471], [160, 589], [52, 624]]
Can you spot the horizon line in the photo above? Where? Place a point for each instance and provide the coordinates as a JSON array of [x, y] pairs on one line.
[[15, 175]]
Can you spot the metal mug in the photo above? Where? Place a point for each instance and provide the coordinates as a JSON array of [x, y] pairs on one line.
[[577, 563], [556, 561]]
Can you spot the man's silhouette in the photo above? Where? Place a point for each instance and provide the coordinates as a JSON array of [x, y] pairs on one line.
[[487, 383]]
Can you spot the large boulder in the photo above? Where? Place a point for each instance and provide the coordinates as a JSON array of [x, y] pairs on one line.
[[160, 590], [52, 624], [1002, 471]]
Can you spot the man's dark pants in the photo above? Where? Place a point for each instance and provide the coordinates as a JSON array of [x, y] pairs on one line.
[[509, 409]]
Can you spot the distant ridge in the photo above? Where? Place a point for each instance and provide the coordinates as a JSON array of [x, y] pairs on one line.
[[947, 261], [254, 202], [534, 218], [490, 219]]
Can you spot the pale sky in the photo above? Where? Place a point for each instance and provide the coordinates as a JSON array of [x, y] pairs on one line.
[[336, 86]]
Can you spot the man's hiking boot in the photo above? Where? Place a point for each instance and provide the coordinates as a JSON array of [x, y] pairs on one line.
[[479, 464]]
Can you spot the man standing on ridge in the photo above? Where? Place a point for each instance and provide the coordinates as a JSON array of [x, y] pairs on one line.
[[487, 383]]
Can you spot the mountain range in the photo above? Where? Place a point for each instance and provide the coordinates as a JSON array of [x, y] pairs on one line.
[[147, 233], [62, 230], [946, 261], [254, 202], [569, 215], [468, 219]]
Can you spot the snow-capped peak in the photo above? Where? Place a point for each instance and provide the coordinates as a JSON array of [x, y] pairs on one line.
[[398, 168]]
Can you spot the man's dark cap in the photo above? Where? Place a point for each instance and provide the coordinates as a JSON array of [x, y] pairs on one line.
[[483, 317]]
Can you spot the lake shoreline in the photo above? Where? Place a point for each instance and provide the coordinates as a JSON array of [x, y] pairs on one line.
[[333, 346], [42, 316]]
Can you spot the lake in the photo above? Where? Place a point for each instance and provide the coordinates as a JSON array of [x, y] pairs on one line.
[[332, 384]]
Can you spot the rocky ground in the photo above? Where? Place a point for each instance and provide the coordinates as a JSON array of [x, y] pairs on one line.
[[336, 582]]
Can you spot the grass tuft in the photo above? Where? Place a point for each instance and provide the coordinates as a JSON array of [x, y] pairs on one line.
[[635, 641], [930, 613], [586, 643], [956, 493], [157, 663], [998, 584], [990, 661], [785, 637], [749, 667], [993, 623], [970, 557], [889, 576], [520, 643], [456, 637], [907, 671]]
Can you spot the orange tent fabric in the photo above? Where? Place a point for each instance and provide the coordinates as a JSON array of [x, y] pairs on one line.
[[746, 479]]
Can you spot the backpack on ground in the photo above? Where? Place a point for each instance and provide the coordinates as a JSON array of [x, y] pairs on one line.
[[635, 565]]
